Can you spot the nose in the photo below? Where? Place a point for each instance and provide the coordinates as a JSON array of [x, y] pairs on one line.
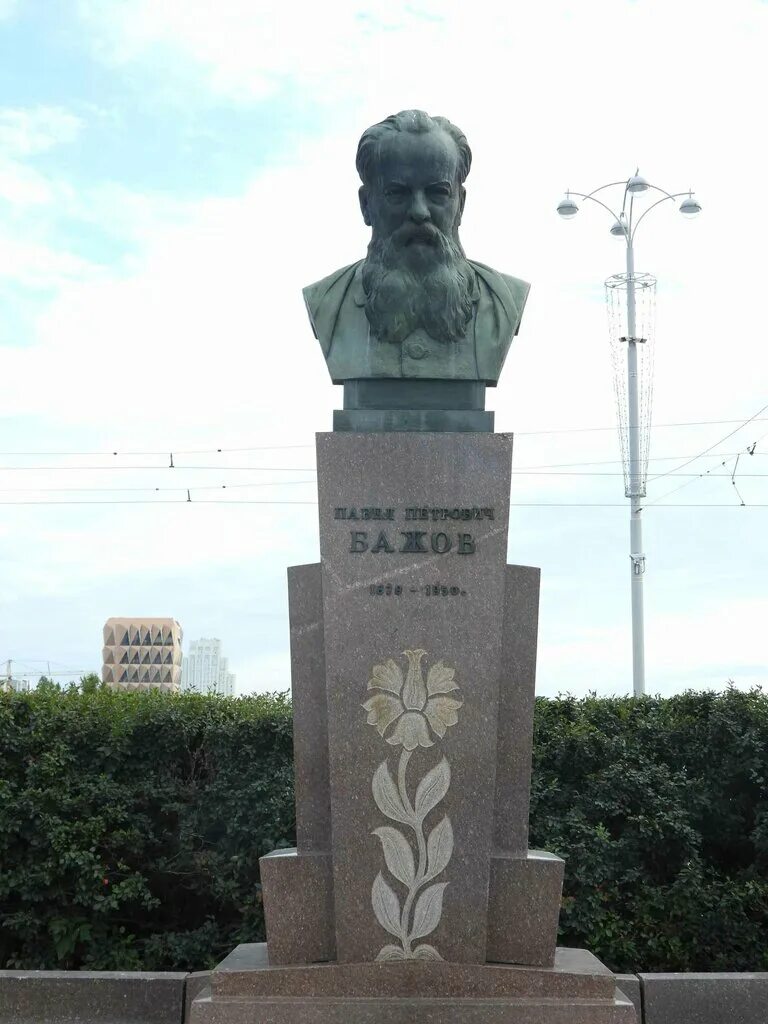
[[419, 211]]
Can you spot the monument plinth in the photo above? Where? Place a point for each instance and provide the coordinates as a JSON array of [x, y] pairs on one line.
[[412, 894]]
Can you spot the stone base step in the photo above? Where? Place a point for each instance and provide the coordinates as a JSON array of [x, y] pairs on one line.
[[247, 971], [209, 1009], [246, 989]]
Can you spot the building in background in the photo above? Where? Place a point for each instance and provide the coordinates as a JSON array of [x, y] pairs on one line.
[[11, 682], [205, 670], [142, 654]]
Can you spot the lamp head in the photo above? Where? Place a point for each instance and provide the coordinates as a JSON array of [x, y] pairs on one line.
[[637, 183], [690, 206], [567, 207], [619, 227]]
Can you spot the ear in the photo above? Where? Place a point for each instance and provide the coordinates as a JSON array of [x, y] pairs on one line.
[[363, 197], [462, 200]]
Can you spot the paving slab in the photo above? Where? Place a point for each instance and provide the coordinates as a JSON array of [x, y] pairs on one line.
[[705, 998], [91, 997]]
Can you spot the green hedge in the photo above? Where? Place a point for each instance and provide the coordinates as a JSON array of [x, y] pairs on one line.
[[131, 826], [660, 807]]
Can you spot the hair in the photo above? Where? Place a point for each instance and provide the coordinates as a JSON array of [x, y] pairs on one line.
[[409, 121]]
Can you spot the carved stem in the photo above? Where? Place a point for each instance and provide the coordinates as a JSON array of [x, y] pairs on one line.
[[405, 757], [421, 868]]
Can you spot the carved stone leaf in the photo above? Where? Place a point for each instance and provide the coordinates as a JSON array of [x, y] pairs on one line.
[[439, 847], [397, 854], [388, 676], [429, 910], [425, 952], [391, 953], [432, 789], [440, 679], [386, 906], [386, 796]]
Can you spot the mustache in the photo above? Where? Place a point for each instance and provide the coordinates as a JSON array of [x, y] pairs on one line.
[[409, 234], [390, 251]]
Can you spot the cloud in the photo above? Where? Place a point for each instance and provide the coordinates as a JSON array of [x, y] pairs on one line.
[[191, 333], [200, 339], [219, 281], [28, 131], [25, 133], [22, 187], [248, 52], [702, 645]]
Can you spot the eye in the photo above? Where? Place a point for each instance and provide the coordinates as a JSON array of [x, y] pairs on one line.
[[395, 192], [438, 192]]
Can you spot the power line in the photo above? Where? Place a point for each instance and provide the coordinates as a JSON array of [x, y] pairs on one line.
[[34, 671], [706, 451], [122, 490], [654, 426], [558, 472], [284, 447], [158, 501], [248, 501], [218, 469], [286, 483], [311, 469], [165, 451], [750, 450]]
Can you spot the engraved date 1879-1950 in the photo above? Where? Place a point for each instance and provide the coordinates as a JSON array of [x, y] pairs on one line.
[[429, 590]]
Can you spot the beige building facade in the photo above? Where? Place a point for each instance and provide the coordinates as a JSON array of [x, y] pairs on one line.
[[142, 654]]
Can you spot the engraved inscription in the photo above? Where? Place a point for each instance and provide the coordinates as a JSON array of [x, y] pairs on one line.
[[413, 542], [449, 513], [385, 589], [414, 513], [430, 590], [367, 512]]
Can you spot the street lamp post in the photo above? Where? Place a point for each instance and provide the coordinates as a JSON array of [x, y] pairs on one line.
[[634, 444]]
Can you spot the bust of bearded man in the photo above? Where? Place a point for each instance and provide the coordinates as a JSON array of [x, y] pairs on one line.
[[415, 307]]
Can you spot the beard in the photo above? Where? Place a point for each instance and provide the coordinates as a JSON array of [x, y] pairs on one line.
[[418, 277]]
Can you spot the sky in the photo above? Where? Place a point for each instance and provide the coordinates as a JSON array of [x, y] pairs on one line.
[[173, 172]]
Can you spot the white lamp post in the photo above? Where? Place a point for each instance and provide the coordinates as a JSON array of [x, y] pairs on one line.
[[634, 442]]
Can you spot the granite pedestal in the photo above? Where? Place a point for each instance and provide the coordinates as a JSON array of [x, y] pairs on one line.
[[246, 989], [412, 893]]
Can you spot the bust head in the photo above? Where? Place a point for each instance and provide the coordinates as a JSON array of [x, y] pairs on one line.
[[413, 168]]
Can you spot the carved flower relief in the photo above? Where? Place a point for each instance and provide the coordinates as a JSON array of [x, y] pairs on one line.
[[416, 708]]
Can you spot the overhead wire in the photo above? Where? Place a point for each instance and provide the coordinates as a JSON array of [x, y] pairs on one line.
[[285, 447], [750, 450], [311, 469], [289, 483], [218, 469], [552, 469], [248, 501], [706, 451]]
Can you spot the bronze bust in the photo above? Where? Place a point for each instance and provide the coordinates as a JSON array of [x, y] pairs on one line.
[[415, 307]]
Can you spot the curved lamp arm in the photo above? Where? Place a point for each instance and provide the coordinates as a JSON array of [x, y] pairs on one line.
[[630, 228], [611, 184], [665, 197], [598, 201]]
